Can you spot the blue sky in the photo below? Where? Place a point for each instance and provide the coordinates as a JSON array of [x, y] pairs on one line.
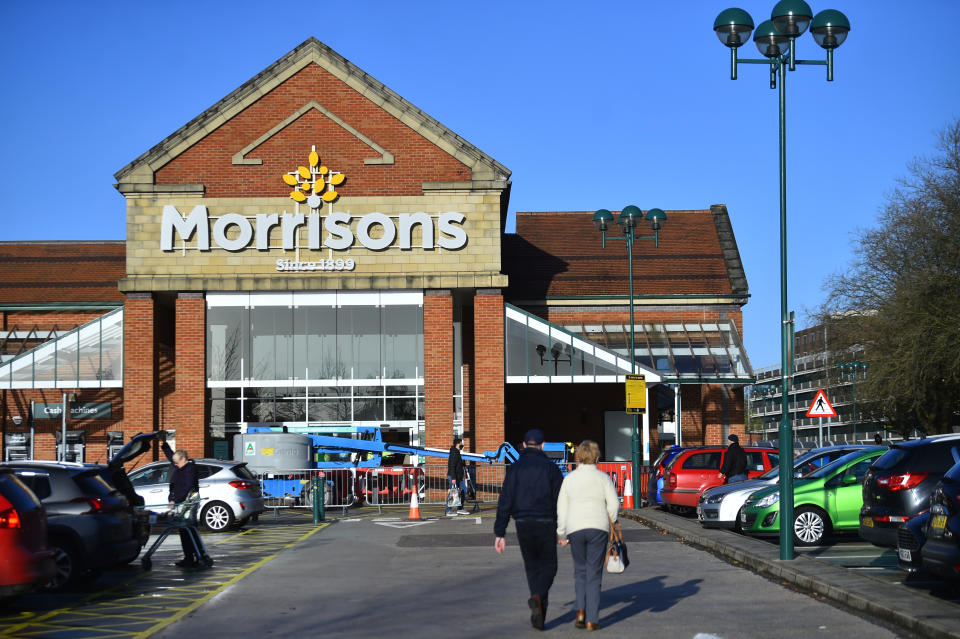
[[591, 105]]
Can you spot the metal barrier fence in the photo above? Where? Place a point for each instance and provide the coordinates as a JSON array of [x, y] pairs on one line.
[[394, 485]]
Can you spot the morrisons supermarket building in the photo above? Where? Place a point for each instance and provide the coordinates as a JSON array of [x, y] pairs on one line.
[[315, 250]]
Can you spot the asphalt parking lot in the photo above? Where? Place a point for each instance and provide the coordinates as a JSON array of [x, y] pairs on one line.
[[424, 570], [130, 602]]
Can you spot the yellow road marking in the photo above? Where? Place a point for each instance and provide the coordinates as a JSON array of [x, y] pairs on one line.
[[173, 592], [185, 611]]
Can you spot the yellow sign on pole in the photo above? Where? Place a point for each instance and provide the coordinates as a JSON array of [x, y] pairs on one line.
[[636, 394]]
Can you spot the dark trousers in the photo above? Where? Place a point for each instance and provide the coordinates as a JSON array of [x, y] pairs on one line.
[[186, 542], [589, 548], [538, 546]]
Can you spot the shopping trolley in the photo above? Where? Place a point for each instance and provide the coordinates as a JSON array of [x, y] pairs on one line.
[[183, 516]]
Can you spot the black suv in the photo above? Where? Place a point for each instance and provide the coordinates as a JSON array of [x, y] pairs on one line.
[[898, 485], [941, 553], [90, 524]]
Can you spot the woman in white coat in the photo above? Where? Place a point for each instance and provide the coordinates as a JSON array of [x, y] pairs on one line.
[[587, 504]]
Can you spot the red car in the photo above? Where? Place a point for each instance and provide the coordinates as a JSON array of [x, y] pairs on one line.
[[25, 562], [696, 469]]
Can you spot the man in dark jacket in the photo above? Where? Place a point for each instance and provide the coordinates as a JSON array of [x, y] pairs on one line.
[[457, 474], [183, 482], [529, 495], [734, 466]]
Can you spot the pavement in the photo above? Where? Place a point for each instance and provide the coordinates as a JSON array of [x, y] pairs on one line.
[[905, 610]]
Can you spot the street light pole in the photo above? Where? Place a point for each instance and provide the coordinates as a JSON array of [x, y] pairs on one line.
[[776, 40], [629, 220]]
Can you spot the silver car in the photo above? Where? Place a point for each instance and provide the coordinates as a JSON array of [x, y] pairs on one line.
[[719, 507], [230, 493]]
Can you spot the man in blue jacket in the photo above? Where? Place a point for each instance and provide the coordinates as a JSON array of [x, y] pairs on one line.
[[529, 495]]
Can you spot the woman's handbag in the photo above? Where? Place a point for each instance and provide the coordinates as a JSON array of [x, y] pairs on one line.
[[617, 559]]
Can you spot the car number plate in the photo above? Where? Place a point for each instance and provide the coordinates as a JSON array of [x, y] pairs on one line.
[[743, 518], [905, 555], [700, 512], [939, 522], [868, 522]]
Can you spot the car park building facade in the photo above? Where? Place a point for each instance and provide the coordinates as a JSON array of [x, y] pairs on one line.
[[315, 250]]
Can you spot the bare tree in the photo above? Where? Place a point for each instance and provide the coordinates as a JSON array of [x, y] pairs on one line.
[[900, 298]]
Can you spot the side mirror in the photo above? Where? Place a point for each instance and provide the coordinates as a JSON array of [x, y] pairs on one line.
[[849, 480]]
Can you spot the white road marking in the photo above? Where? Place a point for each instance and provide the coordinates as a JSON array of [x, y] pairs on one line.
[[401, 524]]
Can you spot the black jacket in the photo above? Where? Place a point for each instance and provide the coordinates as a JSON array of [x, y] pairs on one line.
[[183, 481], [734, 461], [455, 466], [530, 490]]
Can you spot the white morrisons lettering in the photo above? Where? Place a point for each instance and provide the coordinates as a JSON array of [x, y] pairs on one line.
[[339, 235], [319, 265]]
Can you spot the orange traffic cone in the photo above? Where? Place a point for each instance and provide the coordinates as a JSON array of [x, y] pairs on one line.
[[414, 506], [628, 493]]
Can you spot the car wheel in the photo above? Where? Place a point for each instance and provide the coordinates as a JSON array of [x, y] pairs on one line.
[[737, 525], [67, 562], [216, 516], [810, 526]]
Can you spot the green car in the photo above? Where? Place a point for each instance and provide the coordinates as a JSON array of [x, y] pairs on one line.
[[827, 499]]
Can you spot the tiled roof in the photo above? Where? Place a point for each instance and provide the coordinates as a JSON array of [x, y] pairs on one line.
[[42, 272], [558, 254]]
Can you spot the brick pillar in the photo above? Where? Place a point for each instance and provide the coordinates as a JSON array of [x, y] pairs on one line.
[[190, 374], [438, 367], [488, 374], [139, 363]]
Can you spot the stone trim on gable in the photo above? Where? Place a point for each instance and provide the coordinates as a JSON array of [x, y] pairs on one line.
[[312, 51]]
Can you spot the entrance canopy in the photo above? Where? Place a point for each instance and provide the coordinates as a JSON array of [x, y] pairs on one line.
[[89, 356], [538, 352], [694, 353]]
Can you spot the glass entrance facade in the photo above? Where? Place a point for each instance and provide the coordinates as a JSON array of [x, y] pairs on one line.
[[315, 358]]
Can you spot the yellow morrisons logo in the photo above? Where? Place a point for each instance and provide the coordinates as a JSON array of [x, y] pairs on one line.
[[314, 184]]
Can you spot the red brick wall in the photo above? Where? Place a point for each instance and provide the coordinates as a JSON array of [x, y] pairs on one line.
[[438, 367], [209, 162], [561, 316], [45, 320], [710, 412], [489, 379], [17, 403], [189, 398], [139, 364]]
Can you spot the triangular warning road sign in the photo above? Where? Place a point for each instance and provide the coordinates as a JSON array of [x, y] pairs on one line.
[[821, 406]]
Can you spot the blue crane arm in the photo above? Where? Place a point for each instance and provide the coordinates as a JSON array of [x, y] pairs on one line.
[[372, 443]]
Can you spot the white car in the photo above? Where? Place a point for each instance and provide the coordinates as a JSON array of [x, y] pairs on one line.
[[229, 491], [719, 507]]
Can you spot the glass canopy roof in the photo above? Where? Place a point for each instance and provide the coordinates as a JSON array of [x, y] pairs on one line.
[[89, 356], [538, 352], [681, 353]]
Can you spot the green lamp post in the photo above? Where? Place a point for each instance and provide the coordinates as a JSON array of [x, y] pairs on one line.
[[629, 220], [851, 371], [776, 40]]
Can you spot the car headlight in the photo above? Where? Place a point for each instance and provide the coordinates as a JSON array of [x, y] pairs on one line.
[[712, 499], [768, 500]]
